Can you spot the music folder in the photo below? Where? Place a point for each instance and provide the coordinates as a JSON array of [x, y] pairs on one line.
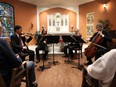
[[52, 39], [79, 39], [67, 38]]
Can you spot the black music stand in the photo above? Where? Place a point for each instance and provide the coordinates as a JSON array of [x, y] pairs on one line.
[[68, 38], [43, 66], [80, 40], [51, 40], [43, 59]]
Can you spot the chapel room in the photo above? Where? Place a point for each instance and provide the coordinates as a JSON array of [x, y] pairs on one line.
[[57, 43]]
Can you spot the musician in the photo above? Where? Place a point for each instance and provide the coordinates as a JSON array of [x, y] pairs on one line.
[[18, 43], [41, 45], [10, 60], [104, 43], [72, 45], [104, 68]]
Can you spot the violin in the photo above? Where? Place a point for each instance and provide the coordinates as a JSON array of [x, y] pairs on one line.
[[26, 34]]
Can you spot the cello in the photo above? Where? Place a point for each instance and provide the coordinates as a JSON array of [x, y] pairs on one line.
[[90, 51]]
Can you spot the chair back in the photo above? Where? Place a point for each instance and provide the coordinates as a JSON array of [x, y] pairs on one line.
[[88, 81], [18, 75]]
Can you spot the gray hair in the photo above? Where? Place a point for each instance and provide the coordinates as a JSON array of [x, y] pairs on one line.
[[99, 25]]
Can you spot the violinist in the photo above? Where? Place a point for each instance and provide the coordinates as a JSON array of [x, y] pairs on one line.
[[103, 45], [18, 44], [41, 45]]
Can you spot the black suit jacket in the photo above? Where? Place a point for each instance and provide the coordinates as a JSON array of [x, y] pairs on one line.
[[105, 40], [15, 43], [8, 60]]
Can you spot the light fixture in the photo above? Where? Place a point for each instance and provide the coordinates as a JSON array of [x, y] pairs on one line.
[[104, 5]]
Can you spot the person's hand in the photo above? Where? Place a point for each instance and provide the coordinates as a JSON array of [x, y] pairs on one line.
[[17, 55], [87, 40], [24, 48], [101, 33], [45, 42]]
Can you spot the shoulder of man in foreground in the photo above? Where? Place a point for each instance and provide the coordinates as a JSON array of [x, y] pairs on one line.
[[103, 68]]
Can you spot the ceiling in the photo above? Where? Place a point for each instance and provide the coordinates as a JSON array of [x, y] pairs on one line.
[[58, 3]]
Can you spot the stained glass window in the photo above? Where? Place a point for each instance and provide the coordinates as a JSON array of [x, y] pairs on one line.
[[7, 19]]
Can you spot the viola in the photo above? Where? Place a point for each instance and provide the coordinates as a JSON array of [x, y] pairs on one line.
[[90, 51]]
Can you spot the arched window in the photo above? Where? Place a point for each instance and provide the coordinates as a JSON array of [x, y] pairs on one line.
[[7, 19]]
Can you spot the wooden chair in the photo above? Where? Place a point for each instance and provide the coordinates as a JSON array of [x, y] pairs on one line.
[[18, 75], [91, 82], [88, 82]]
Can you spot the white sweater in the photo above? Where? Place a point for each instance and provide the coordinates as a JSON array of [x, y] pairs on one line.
[[104, 68]]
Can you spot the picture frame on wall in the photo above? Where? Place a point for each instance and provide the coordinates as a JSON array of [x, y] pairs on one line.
[[90, 24]]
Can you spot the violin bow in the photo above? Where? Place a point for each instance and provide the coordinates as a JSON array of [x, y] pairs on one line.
[[98, 45]]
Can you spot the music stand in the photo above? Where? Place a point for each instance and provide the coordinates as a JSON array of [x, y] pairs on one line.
[[52, 40], [80, 40], [68, 38], [43, 59], [43, 66]]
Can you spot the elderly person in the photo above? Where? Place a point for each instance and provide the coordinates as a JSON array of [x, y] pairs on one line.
[[104, 43]]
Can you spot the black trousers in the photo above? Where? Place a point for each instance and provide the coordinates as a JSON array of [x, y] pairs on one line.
[[71, 48], [24, 53], [41, 47]]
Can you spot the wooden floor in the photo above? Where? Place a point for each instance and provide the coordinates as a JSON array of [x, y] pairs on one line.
[[59, 75]]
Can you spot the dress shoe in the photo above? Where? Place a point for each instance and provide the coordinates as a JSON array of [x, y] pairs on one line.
[[37, 61], [34, 84], [35, 65], [65, 56]]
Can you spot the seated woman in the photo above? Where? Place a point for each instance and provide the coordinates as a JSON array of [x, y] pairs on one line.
[[103, 69], [41, 45]]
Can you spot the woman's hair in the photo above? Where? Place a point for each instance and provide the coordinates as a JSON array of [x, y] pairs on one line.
[[44, 32]]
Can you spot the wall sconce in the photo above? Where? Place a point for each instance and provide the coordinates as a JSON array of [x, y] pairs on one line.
[[104, 5]]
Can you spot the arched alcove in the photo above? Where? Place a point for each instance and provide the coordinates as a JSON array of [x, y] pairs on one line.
[[58, 20]]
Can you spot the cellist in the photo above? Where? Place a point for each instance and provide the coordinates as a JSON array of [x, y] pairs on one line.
[[104, 43]]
